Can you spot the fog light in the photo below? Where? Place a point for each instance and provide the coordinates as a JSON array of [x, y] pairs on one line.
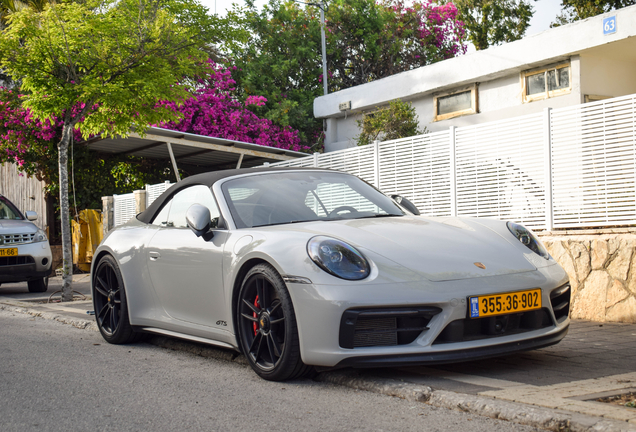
[[45, 261]]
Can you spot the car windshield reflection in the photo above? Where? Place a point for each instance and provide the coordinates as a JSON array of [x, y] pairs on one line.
[[293, 197]]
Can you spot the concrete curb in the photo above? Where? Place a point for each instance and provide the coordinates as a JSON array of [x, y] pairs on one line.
[[553, 420], [75, 322]]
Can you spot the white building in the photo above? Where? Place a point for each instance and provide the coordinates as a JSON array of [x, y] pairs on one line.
[[585, 61]]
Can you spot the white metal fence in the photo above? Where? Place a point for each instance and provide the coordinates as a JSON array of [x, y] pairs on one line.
[[125, 206], [563, 168]]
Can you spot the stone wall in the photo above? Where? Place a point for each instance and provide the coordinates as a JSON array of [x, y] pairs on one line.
[[602, 269]]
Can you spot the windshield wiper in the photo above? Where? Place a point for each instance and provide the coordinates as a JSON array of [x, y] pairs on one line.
[[290, 222], [379, 215]]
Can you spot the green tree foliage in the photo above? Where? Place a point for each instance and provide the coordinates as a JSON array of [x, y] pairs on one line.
[[398, 120], [281, 61], [104, 63], [366, 40], [574, 10], [492, 22]]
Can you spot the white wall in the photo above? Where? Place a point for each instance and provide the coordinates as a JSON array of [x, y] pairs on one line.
[[499, 98], [608, 71]]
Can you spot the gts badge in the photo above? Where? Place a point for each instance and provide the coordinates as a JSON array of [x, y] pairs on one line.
[[221, 323]]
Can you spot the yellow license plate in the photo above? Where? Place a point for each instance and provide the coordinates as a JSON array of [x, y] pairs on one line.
[[505, 303], [9, 252]]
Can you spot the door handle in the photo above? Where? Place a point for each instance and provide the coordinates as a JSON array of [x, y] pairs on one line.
[[154, 256]]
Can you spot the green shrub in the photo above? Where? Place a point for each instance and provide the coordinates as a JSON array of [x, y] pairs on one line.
[[398, 120]]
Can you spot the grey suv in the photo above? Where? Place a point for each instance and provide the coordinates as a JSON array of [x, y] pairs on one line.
[[25, 254]]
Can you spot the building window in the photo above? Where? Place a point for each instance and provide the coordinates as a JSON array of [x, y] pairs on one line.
[[456, 104], [546, 83]]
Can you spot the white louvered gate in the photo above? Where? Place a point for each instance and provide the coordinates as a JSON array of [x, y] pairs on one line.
[[153, 191], [586, 153], [500, 170], [594, 163], [418, 168], [124, 206]]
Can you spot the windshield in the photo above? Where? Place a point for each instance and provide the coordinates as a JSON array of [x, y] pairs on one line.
[[8, 210], [290, 197]]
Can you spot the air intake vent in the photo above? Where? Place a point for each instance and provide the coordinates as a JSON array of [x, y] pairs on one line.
[[560, 300], [17, 260], [468, 329], [384, 327], [375, 332]]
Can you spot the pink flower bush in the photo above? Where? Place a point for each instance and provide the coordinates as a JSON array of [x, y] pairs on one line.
[[19, 129], [214, 111]]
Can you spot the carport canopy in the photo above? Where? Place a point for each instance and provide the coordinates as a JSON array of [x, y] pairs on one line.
[[204, 152]]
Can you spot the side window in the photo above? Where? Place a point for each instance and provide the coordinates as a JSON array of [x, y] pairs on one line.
[[182, 201], [162, 217]]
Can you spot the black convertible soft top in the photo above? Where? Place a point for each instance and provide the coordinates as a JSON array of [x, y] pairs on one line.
[[206, 179]]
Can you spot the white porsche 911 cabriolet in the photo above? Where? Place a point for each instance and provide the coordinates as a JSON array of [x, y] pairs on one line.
[[303, 268]]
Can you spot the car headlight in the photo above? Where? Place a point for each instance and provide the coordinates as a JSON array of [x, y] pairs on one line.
[[338, 258], [527, 237], [40, 236]]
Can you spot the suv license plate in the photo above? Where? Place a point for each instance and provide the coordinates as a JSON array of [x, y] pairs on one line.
[[505, 303], [9, 252]]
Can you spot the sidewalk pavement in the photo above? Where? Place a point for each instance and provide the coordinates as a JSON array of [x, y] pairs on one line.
[[554, 388]]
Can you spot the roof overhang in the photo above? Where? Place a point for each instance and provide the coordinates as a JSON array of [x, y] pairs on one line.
[[178, 148]]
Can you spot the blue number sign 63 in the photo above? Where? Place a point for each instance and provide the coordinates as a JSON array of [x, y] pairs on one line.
[[609, 25]]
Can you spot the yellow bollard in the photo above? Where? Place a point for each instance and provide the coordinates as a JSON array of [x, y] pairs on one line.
[[87, 235]]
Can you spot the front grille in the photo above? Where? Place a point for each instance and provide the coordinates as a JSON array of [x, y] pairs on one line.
[[470, 329], [16, 260], [375, 331], [560, 301], [384, 327], [14, 239]]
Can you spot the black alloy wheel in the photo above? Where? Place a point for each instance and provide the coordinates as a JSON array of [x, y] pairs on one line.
[[109, 302], [267, 326]]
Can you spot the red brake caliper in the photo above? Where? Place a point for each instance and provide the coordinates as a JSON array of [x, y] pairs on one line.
[[255, 316]]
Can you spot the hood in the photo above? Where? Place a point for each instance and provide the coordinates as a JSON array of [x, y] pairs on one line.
[[12, 226], [439, 249]]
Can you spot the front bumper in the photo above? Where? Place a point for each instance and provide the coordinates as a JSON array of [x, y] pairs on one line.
[[319, 310], [33, 262], [415, 359]]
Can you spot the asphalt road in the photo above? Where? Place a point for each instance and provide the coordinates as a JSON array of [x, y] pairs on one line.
[[57, 377]]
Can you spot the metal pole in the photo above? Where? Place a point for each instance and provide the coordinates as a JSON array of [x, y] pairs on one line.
[[324, 47], [453, 171], [547, 142], [174, 163]]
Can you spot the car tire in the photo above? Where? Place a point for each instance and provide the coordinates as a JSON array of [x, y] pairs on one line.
[[268, 333], [38, 285], [109, 302]]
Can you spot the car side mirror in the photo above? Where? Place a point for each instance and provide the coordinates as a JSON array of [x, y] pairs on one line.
[[406, 204], [31, 215], [198, 219]]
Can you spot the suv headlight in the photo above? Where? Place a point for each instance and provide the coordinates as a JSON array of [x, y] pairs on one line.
[[338, 258], [40, 236], [528, 238]]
